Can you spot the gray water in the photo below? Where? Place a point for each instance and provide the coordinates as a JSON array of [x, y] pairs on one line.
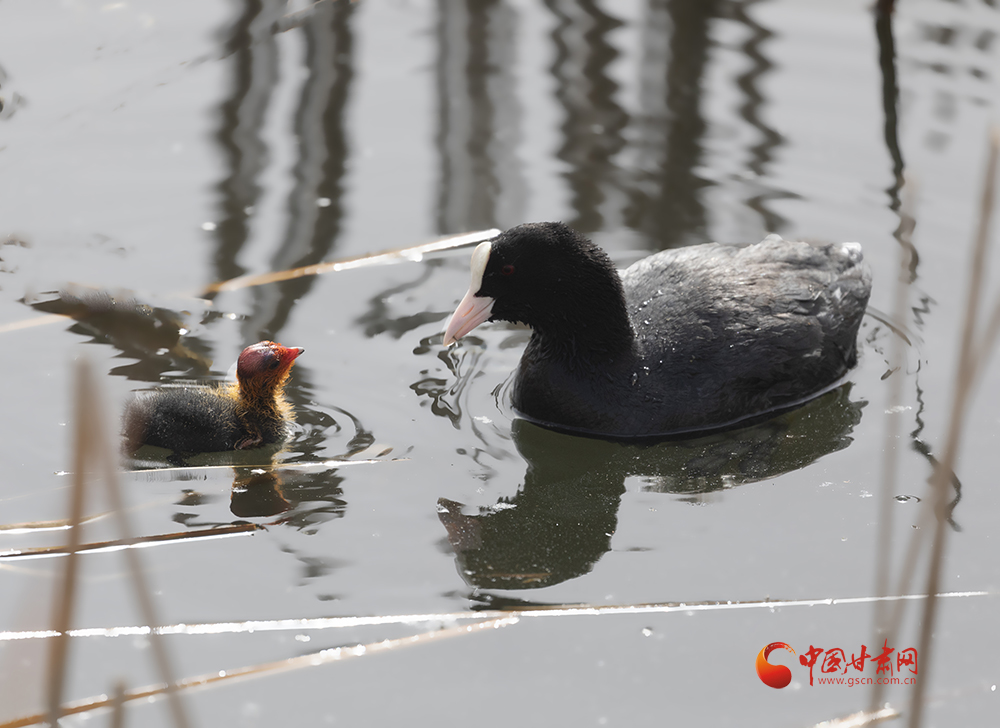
[[151, 149]]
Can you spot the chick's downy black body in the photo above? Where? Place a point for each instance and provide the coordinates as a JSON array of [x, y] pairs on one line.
[[251, 412], [685, 340]]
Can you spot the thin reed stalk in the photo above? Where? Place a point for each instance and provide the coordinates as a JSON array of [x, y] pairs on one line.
[[941, 478], [105, 453], [92, 444], [66, 599], [118, 706]]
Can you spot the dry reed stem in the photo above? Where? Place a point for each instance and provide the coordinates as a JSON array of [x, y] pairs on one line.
[[118, 705], [143, 593], [941, 478], [66, 599], [91, 444]]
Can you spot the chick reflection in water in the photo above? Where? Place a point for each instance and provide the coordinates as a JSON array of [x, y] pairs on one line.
[[562, 519], [257, 493]]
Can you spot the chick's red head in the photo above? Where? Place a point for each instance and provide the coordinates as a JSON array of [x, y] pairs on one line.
[[266, 359]]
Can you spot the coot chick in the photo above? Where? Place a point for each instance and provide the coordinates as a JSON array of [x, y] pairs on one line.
[[697, 338], [248, 413]]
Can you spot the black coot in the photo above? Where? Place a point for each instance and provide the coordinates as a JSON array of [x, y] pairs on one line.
[[698, 338]]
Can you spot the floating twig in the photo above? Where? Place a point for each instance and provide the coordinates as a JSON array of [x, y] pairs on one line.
[[556, 610], [861, 718], [315, 659], [268, 467], [414, 253], [61, 524], [238, 529], [32, 322]]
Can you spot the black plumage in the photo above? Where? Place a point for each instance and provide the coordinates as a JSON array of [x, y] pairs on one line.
[[692, 339]]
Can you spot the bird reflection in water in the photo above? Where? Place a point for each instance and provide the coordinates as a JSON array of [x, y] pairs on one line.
[[561, 520], [153, 335], [257, 493], [307, 496]]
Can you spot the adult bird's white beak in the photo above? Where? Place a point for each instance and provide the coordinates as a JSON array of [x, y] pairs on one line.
[[471, 312], [473, 309]]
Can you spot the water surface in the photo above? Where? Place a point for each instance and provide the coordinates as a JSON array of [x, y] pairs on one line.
[[149, 150]]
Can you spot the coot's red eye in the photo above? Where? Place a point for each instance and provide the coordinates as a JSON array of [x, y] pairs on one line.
[[507, 270]]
